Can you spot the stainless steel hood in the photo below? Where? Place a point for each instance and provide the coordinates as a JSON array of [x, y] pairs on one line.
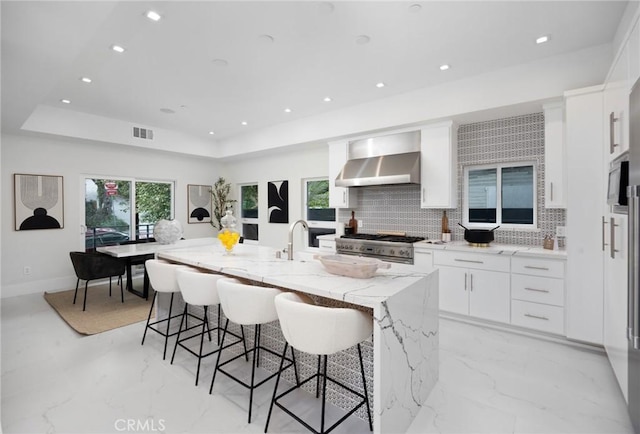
[[391, 159]]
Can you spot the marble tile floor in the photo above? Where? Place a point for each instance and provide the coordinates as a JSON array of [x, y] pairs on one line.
[[56, 381]]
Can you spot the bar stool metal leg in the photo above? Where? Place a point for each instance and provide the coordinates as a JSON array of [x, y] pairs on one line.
[[364, 385]]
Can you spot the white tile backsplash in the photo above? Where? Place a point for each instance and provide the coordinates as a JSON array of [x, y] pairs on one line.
[[518, 138]]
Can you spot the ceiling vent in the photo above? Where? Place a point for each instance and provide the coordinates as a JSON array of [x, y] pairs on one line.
[[142, 133]]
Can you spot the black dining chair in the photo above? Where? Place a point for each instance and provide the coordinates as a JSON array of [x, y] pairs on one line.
[[91, 266]]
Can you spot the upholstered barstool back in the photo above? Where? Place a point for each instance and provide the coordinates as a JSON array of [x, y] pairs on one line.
[[162, 275], [247, 304], [320, 330], [198, 289]]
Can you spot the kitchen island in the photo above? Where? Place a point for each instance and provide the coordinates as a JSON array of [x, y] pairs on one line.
[[404, 304]]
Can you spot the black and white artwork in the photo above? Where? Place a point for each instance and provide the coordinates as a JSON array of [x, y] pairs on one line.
[[199, 203], [38, 202], [278, 201]]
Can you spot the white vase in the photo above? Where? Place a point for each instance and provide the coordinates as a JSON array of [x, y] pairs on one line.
[[167, 231]]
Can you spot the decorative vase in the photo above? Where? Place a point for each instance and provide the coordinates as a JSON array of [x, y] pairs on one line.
[[228, 235], [167, 231]]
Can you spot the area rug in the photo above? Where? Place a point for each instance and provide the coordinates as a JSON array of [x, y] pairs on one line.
[[103, 312]]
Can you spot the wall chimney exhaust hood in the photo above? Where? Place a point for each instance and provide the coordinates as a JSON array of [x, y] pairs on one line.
[[384, 160]]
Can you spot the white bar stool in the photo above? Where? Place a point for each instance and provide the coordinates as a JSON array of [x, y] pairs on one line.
[[249, 305], [321, 331], [162, 276], [199, 289]]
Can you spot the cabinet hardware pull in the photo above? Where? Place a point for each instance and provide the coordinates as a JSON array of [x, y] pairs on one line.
[[471, 278], [468, 260], [604, 222], [536, 290], [536, 268], [344, 197], [423, 194], [551, 183], [536, 316], [465, 281], [612, 119], [612, 240]]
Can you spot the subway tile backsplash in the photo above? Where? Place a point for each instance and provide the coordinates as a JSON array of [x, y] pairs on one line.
[[397, 207]]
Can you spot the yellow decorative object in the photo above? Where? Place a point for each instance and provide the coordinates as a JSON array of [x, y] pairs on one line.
[[228, 236]]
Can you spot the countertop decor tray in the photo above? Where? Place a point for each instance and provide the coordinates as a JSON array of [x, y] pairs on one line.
[[351, 266]]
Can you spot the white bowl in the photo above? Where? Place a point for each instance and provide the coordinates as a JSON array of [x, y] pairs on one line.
[[351, 266]]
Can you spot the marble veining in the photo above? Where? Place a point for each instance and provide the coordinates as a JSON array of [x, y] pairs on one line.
[[405, 311]]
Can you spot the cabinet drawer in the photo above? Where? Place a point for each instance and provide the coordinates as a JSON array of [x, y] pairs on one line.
[[477, 261], [537, 289], [537, 316], [327, 245], [538, 267]]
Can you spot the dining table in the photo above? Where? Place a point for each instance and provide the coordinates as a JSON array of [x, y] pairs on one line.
[[135, 252]]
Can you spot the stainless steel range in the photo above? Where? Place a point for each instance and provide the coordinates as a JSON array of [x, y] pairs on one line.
[[391, 248]]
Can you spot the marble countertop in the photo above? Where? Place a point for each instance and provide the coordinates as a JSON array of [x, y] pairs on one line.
[[260, 264], [494, 248]]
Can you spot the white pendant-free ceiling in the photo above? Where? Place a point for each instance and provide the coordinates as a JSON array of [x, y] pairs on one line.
[[214, 66]]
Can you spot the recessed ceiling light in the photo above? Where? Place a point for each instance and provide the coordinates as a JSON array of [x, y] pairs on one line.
[[65, 101], [153, 16], [85, 79], [244, 123], [363, 39], [287, 110], [117, 48], [542, 39], [220, 62], [415, 8], [381, 84], [211, 133], [327, 99], [444, 67], [167, 111]]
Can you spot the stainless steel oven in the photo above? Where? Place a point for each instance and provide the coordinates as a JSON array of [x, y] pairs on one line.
[[390, 248], [617, 185]]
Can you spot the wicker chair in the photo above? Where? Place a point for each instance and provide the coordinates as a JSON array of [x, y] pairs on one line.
[[92, 266]]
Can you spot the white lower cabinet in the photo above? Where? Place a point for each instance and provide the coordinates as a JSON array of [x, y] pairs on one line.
[[327, 245], [469, 290], [537, 294], [522, 291]]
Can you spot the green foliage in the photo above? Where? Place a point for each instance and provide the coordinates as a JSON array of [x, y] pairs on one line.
[[318, 194], [250, 201], [220, 201], [153, 201]]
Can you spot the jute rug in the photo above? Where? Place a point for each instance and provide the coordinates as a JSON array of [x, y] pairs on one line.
[[103, 312]]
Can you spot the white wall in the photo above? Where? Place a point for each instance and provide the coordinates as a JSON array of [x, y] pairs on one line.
[[294, 165], [47, 251]]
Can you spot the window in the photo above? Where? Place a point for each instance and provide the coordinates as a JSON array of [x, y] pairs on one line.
[[249, 211], [501, 194], [108, 209], [318, 214]]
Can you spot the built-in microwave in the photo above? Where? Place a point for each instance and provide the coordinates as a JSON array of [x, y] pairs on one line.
[[618, 182]]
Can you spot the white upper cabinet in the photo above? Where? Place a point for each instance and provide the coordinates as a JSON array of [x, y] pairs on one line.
[[633, 53], [439, 166], [339, 197], [554, 156], [616, 107]]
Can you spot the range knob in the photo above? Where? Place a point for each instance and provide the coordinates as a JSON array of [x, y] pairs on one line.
[[392, 252], [404, 253]]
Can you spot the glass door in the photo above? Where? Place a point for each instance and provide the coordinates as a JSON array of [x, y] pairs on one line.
[[107, 212]]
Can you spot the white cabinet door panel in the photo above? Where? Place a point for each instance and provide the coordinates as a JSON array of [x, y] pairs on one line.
[[489, 295], [453, 290]]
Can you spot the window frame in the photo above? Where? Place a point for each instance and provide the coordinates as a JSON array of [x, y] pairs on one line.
[[499, 167], [248, 220], [305, 200]]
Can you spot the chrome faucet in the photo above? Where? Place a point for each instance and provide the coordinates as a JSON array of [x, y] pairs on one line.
[[305, 226]]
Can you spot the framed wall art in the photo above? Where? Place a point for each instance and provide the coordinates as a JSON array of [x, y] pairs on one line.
[[199, 203], [38, 202], [278, 201]]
